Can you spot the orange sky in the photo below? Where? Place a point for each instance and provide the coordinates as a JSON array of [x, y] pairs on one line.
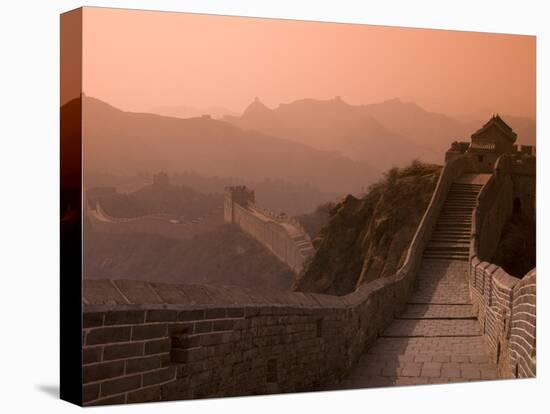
[[137, 60]]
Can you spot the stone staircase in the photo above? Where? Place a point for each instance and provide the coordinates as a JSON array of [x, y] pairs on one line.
[[451, 237], [437, 339]]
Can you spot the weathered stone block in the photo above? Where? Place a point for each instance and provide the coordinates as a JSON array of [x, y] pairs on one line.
[[161, 315], [96, 372], [122, 351], [215, 313], [145, 395], [203, 326], [188, 355], [159, 376], [92, 319], [117, 399], [120, 385], [127, 317], [91, 354], [90, 392], [142, 364], [108, 335], [141, 332], [157, 346], [191, 315]]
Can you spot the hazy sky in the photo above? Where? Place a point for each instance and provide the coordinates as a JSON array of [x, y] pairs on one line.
[[137, 60]]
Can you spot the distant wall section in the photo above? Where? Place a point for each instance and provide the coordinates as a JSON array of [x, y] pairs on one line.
[[161, 224], [281, 235]]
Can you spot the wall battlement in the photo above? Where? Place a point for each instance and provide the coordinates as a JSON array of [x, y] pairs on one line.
[[284, 236], [506, 305]]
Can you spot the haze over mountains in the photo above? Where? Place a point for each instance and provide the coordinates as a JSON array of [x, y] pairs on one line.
[[384, 134], [117, 142], [325, 146], [185, 111]]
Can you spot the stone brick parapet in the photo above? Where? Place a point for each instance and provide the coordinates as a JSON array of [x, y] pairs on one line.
[[504, 304], [147, 341]]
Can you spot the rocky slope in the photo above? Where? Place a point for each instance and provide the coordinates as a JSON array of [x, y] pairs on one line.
[[367, 238]]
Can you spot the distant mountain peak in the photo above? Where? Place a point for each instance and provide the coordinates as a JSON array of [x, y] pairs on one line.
[[256, 107]]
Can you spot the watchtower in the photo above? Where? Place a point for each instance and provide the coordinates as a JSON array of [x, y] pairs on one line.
[[236, 195], [491, 141]]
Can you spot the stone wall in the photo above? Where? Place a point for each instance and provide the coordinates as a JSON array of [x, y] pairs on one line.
[[160, 224], [505, 305], [523, 336], [281, 235], [205, 341], [152, 341]]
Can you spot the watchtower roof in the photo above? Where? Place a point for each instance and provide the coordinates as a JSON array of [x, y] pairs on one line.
[[496, 122]]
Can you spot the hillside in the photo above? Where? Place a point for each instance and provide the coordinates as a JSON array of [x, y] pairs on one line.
[[159, 197], [366, 238], [124, 143], [225, 256]]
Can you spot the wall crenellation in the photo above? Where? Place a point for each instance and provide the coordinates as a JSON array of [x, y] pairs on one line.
[[506, 305]]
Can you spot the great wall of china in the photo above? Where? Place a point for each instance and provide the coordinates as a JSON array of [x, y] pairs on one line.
[[447, 314], [165, 225], [282, 235]]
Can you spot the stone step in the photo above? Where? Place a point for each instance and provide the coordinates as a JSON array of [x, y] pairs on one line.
[[435, 246], [452, 230], [447, 256], [459, 193], [453, 226], [438, 312], [432, 328], [465, 207], [464, 234], [474, 345], [454, 220], [464, 240], [457, 203], [465, 188]]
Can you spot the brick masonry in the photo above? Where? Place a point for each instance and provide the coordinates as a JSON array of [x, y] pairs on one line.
[[504, 304]]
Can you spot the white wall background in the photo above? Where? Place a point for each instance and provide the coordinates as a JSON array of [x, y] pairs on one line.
[[29, 208]]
